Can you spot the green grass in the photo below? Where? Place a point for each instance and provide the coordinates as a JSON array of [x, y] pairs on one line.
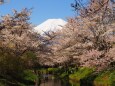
[[112, 78], [106, 78], [63, 75], [74, 83], [81, 73]]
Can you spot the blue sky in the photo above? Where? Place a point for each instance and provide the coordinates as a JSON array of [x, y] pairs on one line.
[[42, 9]]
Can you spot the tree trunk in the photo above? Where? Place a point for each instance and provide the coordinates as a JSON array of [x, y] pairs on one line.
[[36, 81]]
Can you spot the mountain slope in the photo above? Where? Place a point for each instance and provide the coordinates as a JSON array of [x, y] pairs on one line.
[[50, 25]]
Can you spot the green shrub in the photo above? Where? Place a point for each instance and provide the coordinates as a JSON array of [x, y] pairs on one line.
[[29, 75]]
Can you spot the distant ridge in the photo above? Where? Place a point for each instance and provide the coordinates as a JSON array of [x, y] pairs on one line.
[[50, 25]]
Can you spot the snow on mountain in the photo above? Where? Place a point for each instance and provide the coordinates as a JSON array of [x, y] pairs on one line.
[[50, 25]]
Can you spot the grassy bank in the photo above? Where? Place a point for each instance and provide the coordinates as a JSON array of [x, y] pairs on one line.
[[88, 77], [80, 74], [106, 78]]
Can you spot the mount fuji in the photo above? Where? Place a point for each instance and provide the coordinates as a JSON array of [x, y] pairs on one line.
[[50, 25]]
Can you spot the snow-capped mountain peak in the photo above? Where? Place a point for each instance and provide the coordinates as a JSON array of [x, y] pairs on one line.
[[50, 25]]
